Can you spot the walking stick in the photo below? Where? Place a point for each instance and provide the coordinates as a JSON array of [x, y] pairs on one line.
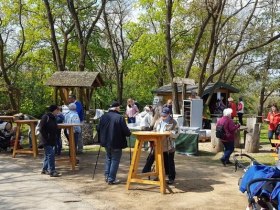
[[96, 162], [129, 150]]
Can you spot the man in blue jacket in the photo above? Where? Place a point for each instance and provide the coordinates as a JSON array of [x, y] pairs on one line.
[[112, 130]]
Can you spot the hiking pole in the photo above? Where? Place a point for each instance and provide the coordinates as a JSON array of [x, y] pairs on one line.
[[96, 162]]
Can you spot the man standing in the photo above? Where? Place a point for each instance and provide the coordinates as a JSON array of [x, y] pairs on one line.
[[48, 130], [113, 130], [80, 111]]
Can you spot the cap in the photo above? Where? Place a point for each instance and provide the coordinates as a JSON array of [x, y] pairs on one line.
[[115, 104], [165, 111], [72, 106], [230, 99], [53, 107]]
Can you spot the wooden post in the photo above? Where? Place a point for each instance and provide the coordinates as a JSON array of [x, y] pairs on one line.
[[217, 145], [237, 139], [253, 140]]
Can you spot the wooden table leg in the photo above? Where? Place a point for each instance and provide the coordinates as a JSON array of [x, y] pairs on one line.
[[72, 148], [160, 165], [34, 141], [16, 141], [133, 169]]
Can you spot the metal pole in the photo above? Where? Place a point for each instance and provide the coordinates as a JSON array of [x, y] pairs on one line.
[[96, 162]]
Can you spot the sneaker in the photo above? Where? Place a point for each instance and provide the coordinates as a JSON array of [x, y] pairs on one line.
[[55, 174], [223, 162], [106, 179], [45, 172], [229, 162], [170, 181], [116, 181]]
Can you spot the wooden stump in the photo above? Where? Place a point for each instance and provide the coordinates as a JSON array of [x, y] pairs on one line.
[[237, 139], [217, 145], [87, 133], [250, 123], [253, 140]]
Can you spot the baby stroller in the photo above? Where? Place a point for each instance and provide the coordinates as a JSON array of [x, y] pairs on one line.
[[5, 135], [260, 182]]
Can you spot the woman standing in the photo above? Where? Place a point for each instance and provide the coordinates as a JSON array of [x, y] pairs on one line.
[[273, 119], [48, 129], [165, 123], [131, 111], [228, 141]]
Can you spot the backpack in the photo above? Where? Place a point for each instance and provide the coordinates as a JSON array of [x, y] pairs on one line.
[[220, 132]]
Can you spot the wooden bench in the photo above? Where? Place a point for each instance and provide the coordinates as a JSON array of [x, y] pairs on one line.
[[275, 155]]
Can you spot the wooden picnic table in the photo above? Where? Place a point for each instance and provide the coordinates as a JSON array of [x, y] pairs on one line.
[[7, 118], [34, 150]]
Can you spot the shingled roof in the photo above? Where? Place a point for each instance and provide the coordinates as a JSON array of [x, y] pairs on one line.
[[75, 79], [210, 88]]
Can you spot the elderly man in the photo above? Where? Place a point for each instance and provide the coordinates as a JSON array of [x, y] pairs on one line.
[[113, 130], [72, 117], [80, 111]]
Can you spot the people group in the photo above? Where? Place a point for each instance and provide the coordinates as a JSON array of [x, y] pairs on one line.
[[113, 131], [50, 134]]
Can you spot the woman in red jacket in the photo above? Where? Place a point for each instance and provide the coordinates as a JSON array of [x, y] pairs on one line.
[[273, 119]]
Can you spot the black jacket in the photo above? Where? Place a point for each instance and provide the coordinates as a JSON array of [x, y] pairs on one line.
[[48, 129], [112, 130]]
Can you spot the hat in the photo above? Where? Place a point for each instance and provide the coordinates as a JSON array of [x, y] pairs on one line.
[[230, 99], [72, 106], [227, 112], [53, 107], [165, 111], [115, 104]]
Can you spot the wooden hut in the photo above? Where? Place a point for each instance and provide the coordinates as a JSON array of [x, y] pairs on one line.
[[80, 83], [213, 89]]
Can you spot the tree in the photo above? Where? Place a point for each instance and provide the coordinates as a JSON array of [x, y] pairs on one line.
[[11, 46], [115, 19]]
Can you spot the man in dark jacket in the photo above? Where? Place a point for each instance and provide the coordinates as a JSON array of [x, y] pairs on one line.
[[112, 132], [48, 130]]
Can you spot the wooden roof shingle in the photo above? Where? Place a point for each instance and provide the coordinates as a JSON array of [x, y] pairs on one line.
[[75, 79]]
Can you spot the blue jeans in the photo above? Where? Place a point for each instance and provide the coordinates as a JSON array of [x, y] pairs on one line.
[[113, 157], [270, 136], [49, 161], [76, 139], [131, 120], [229, 148], [58, 144]]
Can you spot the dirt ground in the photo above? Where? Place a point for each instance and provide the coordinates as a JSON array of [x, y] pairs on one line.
[[201, 183]]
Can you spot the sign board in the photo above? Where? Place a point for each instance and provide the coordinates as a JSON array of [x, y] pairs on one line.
[[186, 81]]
